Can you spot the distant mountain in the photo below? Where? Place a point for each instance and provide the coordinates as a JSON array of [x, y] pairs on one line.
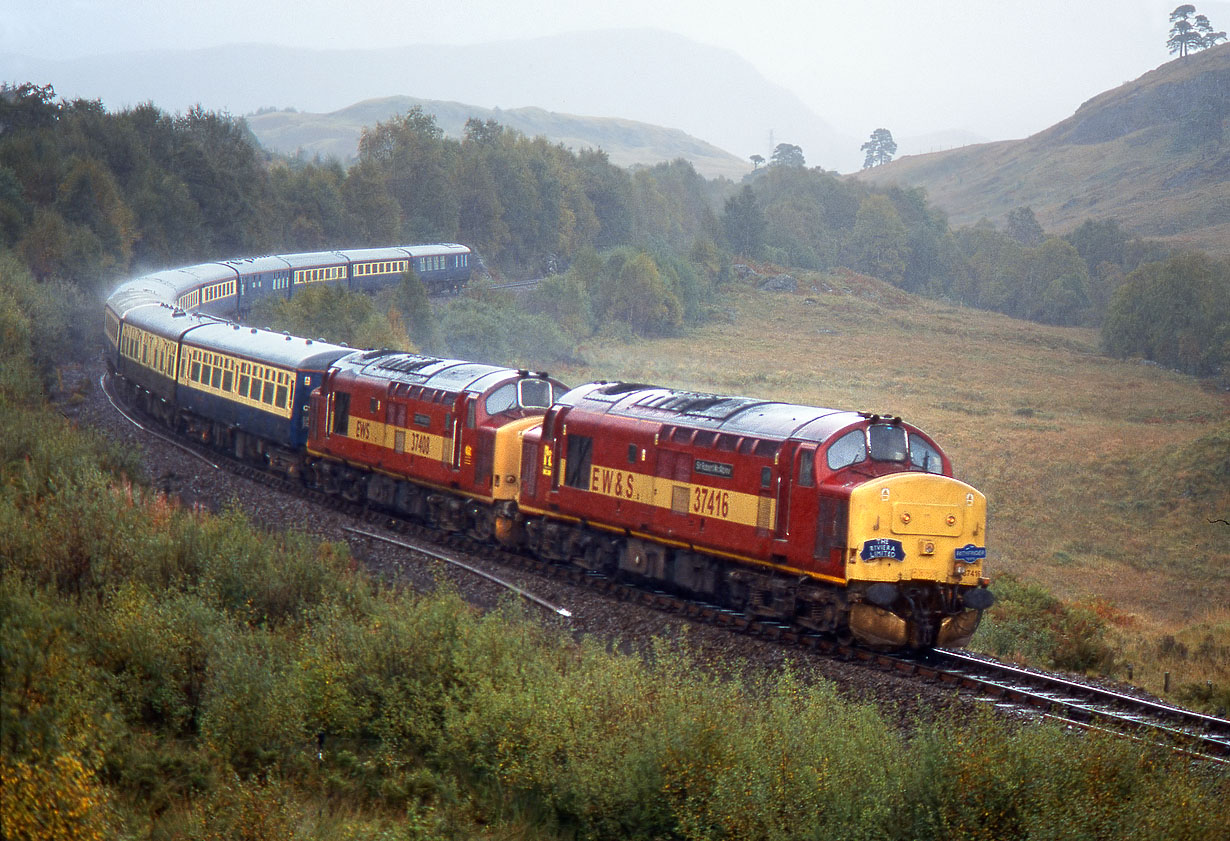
[[1153, 153], [645, 75], [626, 142]]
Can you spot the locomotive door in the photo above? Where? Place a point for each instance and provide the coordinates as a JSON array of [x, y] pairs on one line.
[[798, 473], [802, 483]]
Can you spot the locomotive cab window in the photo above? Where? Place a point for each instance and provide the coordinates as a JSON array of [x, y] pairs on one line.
[[341, 412], [580, 459], [850, 448], [502, 399], [924, 456], [887, 442], [534, 394], [807, 468]]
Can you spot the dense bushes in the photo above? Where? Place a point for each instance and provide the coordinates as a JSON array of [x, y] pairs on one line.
[[1028, 624], [178, 675]]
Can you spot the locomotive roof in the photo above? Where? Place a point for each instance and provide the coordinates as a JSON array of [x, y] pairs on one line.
[[427, 371], [723, 413], [268, 347]]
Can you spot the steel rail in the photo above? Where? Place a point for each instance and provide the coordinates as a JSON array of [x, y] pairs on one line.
[[431, 553], [102, 384]]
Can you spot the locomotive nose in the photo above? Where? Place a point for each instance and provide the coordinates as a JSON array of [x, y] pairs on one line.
[[916, 544]]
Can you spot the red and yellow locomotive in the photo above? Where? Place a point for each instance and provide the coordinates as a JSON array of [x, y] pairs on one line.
[[434, 439], [833, 520]]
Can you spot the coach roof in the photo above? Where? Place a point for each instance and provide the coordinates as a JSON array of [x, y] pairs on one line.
[[266, 346]]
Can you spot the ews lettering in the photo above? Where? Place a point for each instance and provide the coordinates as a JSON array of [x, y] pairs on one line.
[[613, 482]]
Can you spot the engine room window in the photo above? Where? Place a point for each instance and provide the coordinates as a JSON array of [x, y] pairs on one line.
[[887, 442], [850, 448], [924, 456]]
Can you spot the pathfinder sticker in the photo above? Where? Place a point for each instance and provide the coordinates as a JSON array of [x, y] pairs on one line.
[[969, 552], [882, 548]]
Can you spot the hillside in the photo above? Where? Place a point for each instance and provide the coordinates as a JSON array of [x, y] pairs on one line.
[[1152, 153], [646, 75], [627, 142]]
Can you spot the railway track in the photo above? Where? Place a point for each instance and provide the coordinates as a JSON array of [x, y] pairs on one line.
[[1032, 692]]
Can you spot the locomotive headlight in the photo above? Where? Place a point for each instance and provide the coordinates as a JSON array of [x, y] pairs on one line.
[[960, 570]]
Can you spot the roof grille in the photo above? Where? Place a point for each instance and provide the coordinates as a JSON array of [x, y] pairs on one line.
[[406, 363]]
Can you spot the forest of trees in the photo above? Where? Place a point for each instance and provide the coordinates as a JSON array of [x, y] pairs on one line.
[[88, 197]]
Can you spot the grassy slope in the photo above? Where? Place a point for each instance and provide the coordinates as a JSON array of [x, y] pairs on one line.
[[1123, 154], [1066, 443]]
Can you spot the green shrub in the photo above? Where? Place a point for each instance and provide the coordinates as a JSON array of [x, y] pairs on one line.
[[1028, 624]]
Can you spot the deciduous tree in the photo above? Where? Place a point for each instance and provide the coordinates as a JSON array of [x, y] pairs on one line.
[[744, 223], [879, 243]]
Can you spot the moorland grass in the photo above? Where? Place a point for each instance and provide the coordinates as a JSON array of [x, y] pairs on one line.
[[1101, 475]]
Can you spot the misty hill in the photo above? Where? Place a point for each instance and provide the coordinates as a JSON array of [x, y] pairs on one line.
[[626, 142], [1151, 153], [645, 75]]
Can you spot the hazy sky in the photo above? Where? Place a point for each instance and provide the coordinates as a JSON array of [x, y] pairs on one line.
[[997, 68]]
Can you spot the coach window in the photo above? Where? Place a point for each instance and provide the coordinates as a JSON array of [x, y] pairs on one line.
[[924, 456], [244, 380], [280, 399], [850, 448]]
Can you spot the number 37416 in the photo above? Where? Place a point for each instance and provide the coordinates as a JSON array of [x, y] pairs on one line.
[[710, 502]]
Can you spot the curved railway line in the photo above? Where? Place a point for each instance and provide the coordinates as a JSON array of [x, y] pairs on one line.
[[1030, 693]]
